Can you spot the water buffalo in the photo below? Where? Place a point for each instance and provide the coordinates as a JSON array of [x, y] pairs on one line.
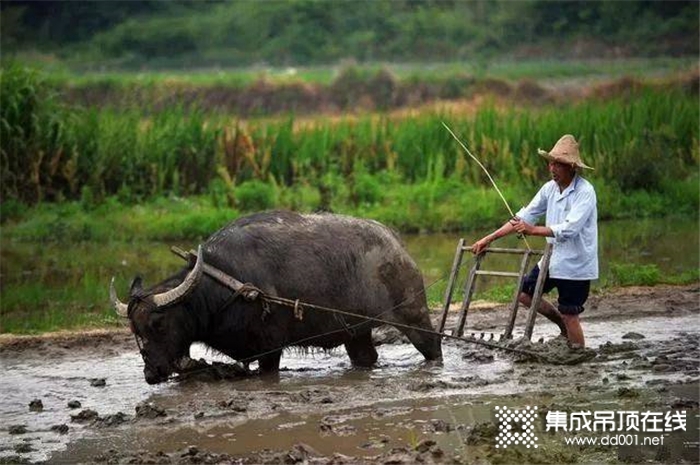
[[335, 261]]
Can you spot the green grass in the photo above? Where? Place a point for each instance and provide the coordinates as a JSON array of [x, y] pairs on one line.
[[623, 274], [35, 309], [422, 207], [408, 208], [47, 287]]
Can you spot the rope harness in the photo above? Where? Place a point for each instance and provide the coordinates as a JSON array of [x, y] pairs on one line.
[[140, 297]]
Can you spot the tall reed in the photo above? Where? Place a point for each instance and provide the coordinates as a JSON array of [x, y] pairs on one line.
[[643, 140]]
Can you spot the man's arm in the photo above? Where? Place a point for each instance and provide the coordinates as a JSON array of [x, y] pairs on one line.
[[536, 208]]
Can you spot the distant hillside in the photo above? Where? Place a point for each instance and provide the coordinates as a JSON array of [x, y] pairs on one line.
[[116, 34]]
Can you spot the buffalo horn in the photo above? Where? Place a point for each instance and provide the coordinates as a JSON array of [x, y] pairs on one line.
[[119, 306], [187, 285]]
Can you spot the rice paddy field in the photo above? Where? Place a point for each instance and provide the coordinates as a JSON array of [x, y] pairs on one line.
[[87, 177]]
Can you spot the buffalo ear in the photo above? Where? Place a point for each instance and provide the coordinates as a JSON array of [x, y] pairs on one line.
[[136, 286]]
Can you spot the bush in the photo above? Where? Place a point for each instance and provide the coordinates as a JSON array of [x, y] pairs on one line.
[[28, 127], [366, 189], [348, 87], [303, 197], [382, 87], [220, 193], [255, 195], [634, 275], [11, 209]]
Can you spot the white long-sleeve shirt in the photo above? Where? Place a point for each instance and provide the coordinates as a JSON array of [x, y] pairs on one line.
[[573, 217]]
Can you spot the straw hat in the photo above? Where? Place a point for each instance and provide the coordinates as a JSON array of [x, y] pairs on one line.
[[565, 151]]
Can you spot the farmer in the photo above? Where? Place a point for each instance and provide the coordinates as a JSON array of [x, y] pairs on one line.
[[569, 202]]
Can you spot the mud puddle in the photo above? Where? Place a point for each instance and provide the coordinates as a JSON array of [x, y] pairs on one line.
[[322, 403]]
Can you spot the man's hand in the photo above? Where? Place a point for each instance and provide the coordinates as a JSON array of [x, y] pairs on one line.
[[480, 245], [522, 227]]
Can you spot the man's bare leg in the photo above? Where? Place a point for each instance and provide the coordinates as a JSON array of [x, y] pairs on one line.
[[548, 310], [574, 331]]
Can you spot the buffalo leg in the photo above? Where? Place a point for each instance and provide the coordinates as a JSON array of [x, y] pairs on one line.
[[270, 363], [361, 350]]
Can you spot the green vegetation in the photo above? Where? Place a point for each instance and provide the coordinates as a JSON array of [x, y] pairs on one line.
[[353, 88], [303, 32], [77, 179], [623, 274], [406, 172], [117, 141]]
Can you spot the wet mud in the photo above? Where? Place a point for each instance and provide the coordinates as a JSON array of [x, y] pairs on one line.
[[81, 398]]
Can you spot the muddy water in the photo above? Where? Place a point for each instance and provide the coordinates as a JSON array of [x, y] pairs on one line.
[[318, 398]]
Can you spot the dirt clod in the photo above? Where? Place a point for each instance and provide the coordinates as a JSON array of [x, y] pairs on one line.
[[189, 369], [440, 426], [84, 416], [13, 459], [60, 429], [627, 392], [112, 420], [190, 450], [149, 410], [98, 382], [425, 445], [23, 448], [17, 429], [36, 405], [685, 404], [482, 433]]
